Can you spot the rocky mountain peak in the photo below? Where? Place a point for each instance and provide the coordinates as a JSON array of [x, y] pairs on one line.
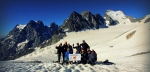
[[83, 21], [23, 37], [98, 16], [20, 26], [53, 24], [35, 25], [40, 22], [31, 23], [86, 13], [53, 27], [94, 20], [74, 15], [17, 29]]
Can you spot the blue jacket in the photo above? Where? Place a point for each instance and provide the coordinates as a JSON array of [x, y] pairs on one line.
[[67, 55]]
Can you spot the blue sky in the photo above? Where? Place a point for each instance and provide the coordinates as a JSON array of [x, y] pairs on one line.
[[21, 11]]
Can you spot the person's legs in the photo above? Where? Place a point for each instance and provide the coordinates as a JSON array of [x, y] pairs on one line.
[[63, 57], [81, 61], [65, 60], [59, 56], [84, 62]]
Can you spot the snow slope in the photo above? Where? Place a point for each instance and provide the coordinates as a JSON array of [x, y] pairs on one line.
[[129, 54], [145, 18]]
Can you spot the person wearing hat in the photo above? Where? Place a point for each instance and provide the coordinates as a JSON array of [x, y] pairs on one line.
[[59, 51], [85, 46]]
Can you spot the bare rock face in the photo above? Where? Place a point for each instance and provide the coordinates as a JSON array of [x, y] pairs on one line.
[[78, 22], [109, 20], [94, 20], [23, 38]]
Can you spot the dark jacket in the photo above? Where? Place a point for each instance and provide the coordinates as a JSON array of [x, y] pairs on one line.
[[95, 54], [65, 46], [92, 57], [70, 49], [84, 57], [85, 46], [78, 49], [59, 49]]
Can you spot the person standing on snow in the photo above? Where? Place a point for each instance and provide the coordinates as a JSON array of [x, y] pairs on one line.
[[78, 51], [78, 48], [59, 51], [70, 48], [65, 46], [85, 46]]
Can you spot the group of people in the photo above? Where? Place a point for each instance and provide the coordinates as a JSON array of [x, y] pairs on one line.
[[87, 56]]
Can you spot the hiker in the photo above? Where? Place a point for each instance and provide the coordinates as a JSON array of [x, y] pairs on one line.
[[78, 48], [67, 56], [59, 51], [84, 57], [70, 48], [91, 57], [65, 46], [95, 54], [85, 46]]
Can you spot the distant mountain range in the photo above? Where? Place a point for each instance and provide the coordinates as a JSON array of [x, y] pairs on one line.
[[24, 38]]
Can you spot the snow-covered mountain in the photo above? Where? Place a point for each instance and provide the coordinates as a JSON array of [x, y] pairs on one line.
[[118, 17], [23, 38], [145, 19]]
